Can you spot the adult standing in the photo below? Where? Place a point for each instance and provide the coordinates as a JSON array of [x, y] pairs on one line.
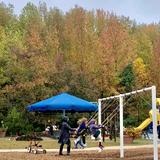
[[64, 137]]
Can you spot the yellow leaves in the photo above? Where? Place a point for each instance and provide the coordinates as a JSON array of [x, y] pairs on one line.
[[141, 73], [144, 46], [131, 132], [3, 42]]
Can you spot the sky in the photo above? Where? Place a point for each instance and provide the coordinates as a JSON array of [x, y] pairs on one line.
[[142, 11]]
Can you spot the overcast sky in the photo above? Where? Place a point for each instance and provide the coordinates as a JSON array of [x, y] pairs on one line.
[[143, 11]]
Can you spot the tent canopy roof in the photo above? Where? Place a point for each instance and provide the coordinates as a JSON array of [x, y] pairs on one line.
[[61, 102]]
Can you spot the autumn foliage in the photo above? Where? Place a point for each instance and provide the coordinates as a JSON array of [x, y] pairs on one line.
[[45, 51]]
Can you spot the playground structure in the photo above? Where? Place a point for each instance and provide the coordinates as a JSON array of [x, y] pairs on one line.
[[110, 117], [153, 115], [146, 122]]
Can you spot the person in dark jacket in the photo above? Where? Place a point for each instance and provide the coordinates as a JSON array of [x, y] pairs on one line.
[[64, 137], [158, 129], [51, 130]]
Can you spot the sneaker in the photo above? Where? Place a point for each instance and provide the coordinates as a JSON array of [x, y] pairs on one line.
[[99, 150], [75, 144], [85, 145], [101, 147]]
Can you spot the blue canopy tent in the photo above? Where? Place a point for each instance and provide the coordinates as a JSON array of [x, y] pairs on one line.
[[63, 102]]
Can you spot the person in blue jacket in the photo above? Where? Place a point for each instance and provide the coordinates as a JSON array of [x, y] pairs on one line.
[[81, 131], [64, 137]]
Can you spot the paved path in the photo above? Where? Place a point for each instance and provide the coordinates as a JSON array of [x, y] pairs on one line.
[[85, 149]]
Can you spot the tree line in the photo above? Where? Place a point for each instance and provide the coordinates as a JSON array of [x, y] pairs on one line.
[[90, 54]]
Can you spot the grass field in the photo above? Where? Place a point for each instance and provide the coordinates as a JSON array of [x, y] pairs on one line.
[[49, 143], [134, 154]]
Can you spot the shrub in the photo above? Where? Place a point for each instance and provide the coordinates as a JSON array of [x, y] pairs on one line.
[[16, 123], [131, 132]]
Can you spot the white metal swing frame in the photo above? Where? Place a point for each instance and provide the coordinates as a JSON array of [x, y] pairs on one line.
[[120, 97]]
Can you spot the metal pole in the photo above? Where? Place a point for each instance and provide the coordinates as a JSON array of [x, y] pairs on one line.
[[154, 110], [129, 93], [99, 112], [121, 126]]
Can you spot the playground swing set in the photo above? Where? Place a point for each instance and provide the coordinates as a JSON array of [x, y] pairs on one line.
[[154, 116]]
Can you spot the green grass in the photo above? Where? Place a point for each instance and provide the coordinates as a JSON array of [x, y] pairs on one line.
[[49, 143]]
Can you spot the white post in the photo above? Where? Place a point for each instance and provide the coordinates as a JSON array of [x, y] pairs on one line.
[[121, 126], [154, 116], [100, 115], [99, 112], [64, 112]]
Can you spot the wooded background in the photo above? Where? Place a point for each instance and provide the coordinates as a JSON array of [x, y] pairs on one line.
[[89, 54]]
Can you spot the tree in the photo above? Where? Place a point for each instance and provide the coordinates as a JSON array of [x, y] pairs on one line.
[[80, 52], [128, 78], [100, 21], [55, 23], [143, 47], [30, 15], [141, 74], [116, 51], [155, 65], [6, 14], [16, 123]]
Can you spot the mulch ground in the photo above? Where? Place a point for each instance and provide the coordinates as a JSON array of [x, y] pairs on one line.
[[134, 154]]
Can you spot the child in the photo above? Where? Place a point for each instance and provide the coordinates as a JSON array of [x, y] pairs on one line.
[[95, 132], [81, 133], [158, 129], [64, 137]]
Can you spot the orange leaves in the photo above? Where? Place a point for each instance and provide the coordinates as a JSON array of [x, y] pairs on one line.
[[81, 51], [115, 51], [117, 44], [34, 40]]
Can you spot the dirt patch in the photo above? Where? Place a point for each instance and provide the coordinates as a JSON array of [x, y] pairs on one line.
[[139, 154]]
